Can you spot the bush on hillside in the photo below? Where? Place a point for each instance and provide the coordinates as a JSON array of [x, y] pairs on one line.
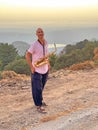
[[78, 53], [8, 54], [0, 75], [1, 65], [19, 66], [52, 60], [88, 51], [67, 60]]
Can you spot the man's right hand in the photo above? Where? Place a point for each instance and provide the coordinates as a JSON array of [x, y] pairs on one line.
[[32, 69], [28, 55]]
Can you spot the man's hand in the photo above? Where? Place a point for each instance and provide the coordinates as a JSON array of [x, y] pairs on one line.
[[32, 69], [28, 55]]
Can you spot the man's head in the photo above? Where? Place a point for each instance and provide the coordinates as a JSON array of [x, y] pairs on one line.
[[40, 33]]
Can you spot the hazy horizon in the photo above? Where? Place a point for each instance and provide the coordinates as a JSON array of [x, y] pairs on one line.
[[64, 22], [59, 35]]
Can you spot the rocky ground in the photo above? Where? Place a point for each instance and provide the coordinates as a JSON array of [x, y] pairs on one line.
[[66, 92], [85, 119]]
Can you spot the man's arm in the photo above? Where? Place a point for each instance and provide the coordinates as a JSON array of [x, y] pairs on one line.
[[28, 58]]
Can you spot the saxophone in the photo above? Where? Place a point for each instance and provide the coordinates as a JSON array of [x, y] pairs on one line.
[[45, 60]]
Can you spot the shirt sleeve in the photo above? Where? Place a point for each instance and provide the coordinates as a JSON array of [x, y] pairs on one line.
[[31, 49]]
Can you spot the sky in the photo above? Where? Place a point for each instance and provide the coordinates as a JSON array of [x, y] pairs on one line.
[[48, 13], [63, 20]]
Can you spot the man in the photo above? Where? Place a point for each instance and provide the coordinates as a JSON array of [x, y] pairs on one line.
[[38, 49]]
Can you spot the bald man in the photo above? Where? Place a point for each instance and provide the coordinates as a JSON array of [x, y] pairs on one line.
[[38, 49]]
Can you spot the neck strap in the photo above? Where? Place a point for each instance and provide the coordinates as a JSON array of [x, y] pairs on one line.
[[43, 47]]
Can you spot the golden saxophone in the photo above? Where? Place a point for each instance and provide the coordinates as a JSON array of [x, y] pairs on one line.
[[44, 60]]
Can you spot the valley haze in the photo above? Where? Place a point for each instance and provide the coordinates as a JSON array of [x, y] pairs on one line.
[[55, 35]]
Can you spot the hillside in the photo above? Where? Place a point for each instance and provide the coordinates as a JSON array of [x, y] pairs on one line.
[[66, 93], [21, 47]]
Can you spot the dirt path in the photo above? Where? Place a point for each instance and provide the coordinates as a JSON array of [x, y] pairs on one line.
[[86, 119], [65, 93]]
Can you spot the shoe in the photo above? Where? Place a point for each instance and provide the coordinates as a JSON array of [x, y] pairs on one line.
[[40, 109], [44, 104]]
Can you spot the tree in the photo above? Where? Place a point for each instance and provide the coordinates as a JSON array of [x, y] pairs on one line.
[[8, 53], [68, 49], [81, 44]]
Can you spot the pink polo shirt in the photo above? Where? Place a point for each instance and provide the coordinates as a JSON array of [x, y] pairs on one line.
[[36, 50]]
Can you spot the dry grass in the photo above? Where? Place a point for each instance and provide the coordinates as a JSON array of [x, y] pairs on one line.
[[74, 108], [8, 74], [13, 75], [82, 66], [96, 51], [23, 128], [57, 115], [86, 64], [95, 58]]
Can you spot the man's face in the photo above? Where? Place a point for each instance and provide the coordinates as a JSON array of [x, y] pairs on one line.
[[40, 33]]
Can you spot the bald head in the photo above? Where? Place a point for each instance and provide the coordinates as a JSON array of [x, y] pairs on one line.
[[39, 29], [40, 33]]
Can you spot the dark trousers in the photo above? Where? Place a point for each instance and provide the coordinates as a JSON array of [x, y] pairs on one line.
[[38, 82]]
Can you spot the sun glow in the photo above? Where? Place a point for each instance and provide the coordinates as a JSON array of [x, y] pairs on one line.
[[48, 3], [48, 13]]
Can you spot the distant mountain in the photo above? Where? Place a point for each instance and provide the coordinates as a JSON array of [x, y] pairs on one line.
[[21, 47]]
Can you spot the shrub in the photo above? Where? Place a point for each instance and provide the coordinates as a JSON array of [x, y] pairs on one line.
[[19, 66], [0, 75], [7, 54], [52, 60], [67, 60]]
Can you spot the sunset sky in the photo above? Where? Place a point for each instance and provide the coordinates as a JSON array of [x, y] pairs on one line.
[[50, 13]]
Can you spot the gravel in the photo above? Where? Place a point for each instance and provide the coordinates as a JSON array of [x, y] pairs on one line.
[[86, 119]]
